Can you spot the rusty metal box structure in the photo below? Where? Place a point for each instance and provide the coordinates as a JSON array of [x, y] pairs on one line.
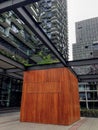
[[50, 96]]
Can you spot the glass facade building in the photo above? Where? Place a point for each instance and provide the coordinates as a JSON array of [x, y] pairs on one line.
[[10, 91], [88, 95]]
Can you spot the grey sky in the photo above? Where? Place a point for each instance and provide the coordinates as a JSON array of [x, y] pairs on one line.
[[79, 10]]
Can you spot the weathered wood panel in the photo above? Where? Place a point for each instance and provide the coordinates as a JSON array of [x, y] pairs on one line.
[[50, 96]]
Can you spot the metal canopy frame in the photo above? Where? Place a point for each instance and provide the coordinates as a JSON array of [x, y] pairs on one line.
[[83, 62], [46, 66], [11, 67], [11, 4], [11, 62], [17, 68], [4, 45], [88, 78]]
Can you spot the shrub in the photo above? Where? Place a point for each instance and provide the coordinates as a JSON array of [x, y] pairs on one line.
[[89, 112]]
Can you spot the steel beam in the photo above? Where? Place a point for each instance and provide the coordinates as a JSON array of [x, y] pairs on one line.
[[45, 66], [16, 75], [83, 62], [13, 70], [12, 50], [34, 26], [12, 76], [88, 78], [11, 4], [49, 66], [11, 62], [10, 47]]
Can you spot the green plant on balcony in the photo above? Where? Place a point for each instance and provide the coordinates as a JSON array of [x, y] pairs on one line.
[[46, 59], [16, 57]]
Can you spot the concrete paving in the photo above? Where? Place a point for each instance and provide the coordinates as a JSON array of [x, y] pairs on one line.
[[10, 121]]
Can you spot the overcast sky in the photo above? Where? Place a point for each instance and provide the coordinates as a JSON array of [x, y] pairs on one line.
[[79, 10]]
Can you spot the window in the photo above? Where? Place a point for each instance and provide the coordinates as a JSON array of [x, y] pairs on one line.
[[49, 14], [49, 35], [82, 96], [95, 46], [27, 35], [49, 4], [81, 87], [14, 28], [1, 29], [91, 53], [86, 47], [80, 27], [49, 25]]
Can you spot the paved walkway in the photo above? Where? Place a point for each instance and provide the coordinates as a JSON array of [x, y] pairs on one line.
[[10, 121]]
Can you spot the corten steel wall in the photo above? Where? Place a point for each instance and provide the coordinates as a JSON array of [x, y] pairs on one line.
[[50, 96]]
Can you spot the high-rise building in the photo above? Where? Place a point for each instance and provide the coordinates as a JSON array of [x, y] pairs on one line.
[[86, 47], [53, 18]]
